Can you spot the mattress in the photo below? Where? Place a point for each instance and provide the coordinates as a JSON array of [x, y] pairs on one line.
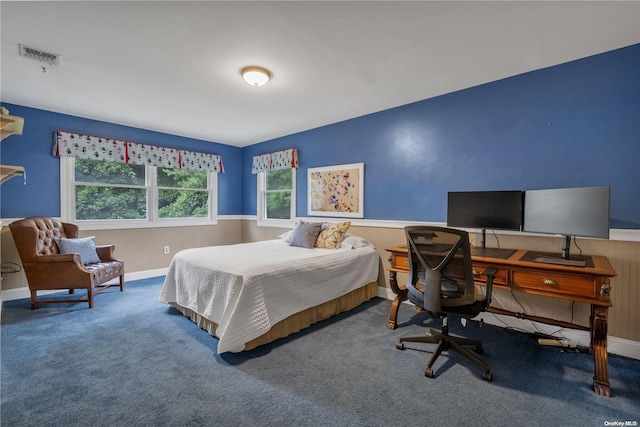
[[246, 289]]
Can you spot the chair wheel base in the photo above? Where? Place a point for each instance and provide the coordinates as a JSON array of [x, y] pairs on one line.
[[478, 349], [487, 376], [400, 345], [428, 372]]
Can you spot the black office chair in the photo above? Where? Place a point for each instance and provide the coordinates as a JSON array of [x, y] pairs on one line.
[[441, 281]]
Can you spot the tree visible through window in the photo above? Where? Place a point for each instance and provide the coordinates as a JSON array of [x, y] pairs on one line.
[[118, 191], [108, 190], [182, 193], [276, 196]]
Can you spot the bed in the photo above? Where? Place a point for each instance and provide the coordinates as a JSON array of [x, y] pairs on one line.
[[250, 294]]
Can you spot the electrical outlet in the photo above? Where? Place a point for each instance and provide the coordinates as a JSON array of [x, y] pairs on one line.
[[165, 250]]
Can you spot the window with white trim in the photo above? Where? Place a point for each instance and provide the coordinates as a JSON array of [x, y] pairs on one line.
[[276, 205], [182, 193], [107, 194]]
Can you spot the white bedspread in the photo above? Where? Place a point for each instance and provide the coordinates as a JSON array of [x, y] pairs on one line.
[[247, 288]]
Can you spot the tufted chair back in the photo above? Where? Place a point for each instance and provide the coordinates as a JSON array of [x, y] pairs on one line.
[[34, 236]]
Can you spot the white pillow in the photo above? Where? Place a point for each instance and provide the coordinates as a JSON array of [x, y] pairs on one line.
[[352, 242], [286, 236]]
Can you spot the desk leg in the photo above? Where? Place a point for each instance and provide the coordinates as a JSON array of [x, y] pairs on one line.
[[401, 295], [598, 319]]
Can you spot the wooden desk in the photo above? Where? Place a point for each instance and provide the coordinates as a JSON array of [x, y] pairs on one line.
[[589, 285]]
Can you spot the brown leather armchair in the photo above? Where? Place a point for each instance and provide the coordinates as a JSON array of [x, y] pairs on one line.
[[46, 268]]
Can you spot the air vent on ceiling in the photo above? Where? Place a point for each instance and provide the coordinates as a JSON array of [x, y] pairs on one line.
[[39, 55]]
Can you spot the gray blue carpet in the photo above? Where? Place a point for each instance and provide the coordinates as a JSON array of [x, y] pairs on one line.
[[132, 361]]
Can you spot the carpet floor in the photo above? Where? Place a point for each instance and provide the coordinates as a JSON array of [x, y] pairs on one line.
[[132, 361]]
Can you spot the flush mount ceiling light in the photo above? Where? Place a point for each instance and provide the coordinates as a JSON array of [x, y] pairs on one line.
[[255, 76]]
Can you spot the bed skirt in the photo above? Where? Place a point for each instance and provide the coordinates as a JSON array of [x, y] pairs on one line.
[[295, 322]]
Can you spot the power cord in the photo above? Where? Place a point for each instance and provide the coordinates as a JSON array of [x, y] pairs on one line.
[[575, 242], [496, 236], [539, 334]]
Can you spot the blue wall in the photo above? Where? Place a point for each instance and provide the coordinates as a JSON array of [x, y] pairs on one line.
[[41, 194], [572, 125], [575, 124]]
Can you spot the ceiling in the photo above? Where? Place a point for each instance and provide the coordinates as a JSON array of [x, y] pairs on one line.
[[174, 66]]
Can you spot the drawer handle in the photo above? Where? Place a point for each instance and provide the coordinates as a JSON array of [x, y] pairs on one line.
[[549, 282], [407, 262], [475, 272]]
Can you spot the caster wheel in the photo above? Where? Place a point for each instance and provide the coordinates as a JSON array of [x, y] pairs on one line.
[[478, 349], [487, 376], [400, 345], [428, 373]]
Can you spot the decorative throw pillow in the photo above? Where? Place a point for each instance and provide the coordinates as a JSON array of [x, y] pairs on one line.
[[286, 236], [331, 236], [85, 247], [353, 242], [305, 234]]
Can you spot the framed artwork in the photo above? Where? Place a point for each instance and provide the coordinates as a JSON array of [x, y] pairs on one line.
[[336, 191]]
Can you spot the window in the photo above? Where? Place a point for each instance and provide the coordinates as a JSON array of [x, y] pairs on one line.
[[277, 198], [182, 194], [108, 190], [108, 194]]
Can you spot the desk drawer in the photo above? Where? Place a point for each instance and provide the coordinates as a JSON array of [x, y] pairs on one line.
[[499, 279], [400, 262], [555, 283]]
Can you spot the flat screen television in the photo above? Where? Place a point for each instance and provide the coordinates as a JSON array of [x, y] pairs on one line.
[[582, 212], [500, 210]]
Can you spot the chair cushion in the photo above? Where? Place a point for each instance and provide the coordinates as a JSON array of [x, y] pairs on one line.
[[85, 247], [468, 311], [104, 271]]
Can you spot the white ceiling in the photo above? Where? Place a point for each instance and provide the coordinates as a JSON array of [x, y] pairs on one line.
[[173, 66]]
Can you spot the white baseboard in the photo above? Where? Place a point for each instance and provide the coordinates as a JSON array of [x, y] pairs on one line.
[[385, 293], [615, 345]]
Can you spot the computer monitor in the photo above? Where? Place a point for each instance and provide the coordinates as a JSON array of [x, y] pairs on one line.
[[501, 210], [582, 212]]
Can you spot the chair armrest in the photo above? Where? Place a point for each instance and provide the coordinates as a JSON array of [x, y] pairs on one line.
[[58, 271], [105, 253], [60, 262], [490, 272], [58, 258]]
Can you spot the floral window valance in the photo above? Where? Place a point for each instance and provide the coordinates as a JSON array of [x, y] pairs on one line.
[[114, 150], [278, 160]]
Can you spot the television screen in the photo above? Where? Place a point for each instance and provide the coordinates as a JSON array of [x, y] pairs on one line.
[[485, 209], [580, 212]]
